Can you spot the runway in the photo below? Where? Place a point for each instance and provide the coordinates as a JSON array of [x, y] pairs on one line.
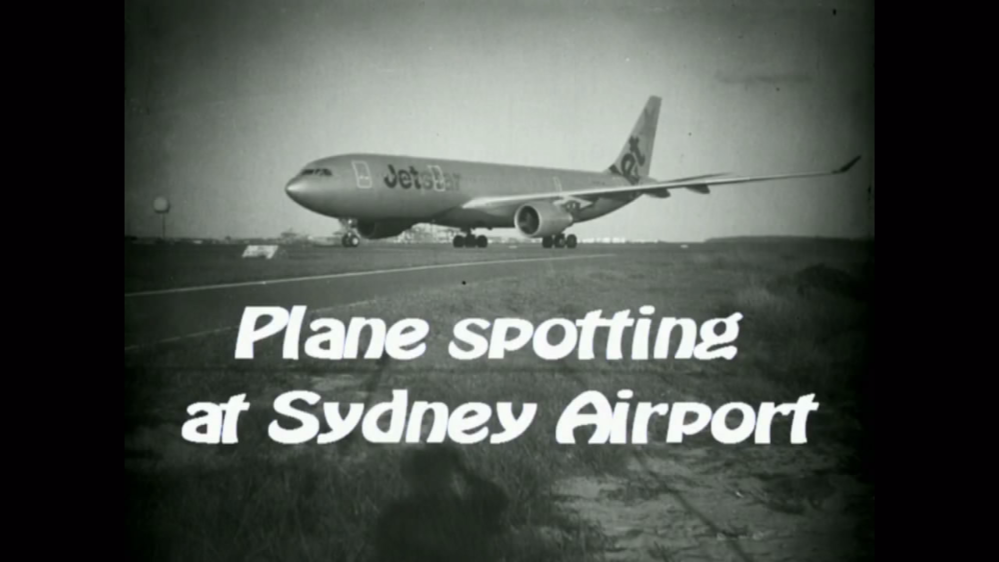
[[176, 314]]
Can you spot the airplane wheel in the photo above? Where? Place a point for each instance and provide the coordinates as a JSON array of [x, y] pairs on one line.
[[570, 241], [459, 241], [482, 241], [350, 240], [356, 240], [560, 240], [546, 242]]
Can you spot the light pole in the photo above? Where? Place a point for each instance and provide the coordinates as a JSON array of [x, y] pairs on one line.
[[162, 206]]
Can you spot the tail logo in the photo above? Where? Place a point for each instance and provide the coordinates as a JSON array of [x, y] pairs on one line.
[[631, 160]]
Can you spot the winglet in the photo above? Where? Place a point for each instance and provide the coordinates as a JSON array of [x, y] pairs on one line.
[[848, 165]]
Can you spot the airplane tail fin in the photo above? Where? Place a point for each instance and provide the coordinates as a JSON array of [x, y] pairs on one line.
[[635, 158]]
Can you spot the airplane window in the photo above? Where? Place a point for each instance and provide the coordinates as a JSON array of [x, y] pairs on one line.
[[326, 172], [308, 172]]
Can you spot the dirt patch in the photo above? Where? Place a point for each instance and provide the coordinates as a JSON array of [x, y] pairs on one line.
[[683, 504]]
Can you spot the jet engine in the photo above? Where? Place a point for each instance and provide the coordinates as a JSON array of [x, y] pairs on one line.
[[542, 219], [387, 229]]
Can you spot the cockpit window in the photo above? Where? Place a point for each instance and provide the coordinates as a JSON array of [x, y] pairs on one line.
[[317, 172]]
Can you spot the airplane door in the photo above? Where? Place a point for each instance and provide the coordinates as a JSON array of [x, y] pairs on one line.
[[362, 174]]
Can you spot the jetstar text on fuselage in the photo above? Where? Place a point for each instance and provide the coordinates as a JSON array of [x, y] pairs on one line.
[[433, 178]]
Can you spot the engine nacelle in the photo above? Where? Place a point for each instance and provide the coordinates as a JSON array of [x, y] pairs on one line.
[[375, 230], [542, 219]]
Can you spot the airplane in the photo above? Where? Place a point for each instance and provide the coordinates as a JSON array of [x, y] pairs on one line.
[[381, 196]]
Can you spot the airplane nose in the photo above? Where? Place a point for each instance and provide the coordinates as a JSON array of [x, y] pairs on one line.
[[306, 193], [297, 190]]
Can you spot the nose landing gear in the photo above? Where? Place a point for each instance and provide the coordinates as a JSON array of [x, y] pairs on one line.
[[350, 239]]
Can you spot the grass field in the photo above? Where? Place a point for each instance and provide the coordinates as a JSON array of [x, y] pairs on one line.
[[151, 267], [808, 311]]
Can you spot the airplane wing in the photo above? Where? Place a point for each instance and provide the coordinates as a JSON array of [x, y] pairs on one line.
[[698, 184]]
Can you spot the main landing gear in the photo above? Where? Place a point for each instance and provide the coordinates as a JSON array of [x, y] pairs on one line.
[[559, 241], [469, 240]]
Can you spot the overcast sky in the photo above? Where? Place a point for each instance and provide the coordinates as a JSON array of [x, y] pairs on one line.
[[225, 100]]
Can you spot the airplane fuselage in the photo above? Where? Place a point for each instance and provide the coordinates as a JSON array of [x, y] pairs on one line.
[[406, 189], [385, 195]]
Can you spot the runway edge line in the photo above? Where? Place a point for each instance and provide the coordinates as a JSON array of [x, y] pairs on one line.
[[353, 274]]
